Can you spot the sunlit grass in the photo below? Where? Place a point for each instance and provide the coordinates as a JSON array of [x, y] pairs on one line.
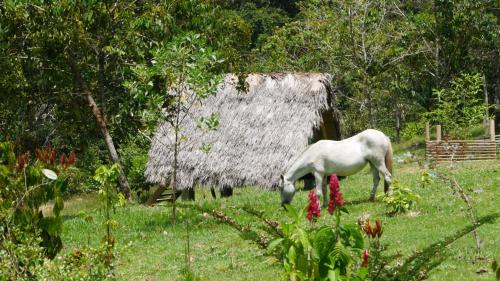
[[149, 247]]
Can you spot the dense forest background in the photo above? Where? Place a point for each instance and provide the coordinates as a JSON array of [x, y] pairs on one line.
[[388, 58]]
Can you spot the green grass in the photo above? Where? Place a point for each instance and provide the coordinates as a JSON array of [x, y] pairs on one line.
[[149, 247]]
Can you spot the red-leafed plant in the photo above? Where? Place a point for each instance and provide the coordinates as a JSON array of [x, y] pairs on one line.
[[26, 184]]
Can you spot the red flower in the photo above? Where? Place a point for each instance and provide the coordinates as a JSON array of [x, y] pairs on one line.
[[366, 255], [336, 198], [313, 210]]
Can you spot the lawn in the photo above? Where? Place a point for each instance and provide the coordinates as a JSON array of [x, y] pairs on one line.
[[436, 235]]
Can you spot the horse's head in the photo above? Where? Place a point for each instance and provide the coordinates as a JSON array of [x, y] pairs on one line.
[[287, 191]]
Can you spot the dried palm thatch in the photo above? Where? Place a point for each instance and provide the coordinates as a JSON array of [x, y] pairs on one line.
[[261, 131]]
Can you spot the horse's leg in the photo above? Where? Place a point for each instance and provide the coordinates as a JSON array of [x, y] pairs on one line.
[[319, 186], [376, 180], [325, 191], [380, 164]]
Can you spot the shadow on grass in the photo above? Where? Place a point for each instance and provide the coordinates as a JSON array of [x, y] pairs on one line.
[[357, 201], [419, 264], [70, 217]]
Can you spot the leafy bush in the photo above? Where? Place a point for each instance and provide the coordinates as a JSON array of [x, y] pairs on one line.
[[134, 157], [459, 107], [27, 236], [413, 129], [83, 264], [399, 199], [319, 253], [26, 185], [109, 196]]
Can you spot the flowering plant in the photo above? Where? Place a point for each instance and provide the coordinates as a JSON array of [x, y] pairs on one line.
[[313, 210], [328, 252]]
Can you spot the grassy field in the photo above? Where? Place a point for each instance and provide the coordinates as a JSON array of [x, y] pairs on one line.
[[436, 238]]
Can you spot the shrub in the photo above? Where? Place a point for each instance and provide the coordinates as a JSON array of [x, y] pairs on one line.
[[27, 236], [86, 264], [321, 253], [134, 157], [459, 107], [399, 199], [26, 185]]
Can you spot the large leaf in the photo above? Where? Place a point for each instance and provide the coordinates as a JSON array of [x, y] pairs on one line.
[[273, 244], [323, 241], [49, 174]]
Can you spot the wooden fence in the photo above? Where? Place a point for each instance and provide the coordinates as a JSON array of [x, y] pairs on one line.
[[460, 150], [498, 143]]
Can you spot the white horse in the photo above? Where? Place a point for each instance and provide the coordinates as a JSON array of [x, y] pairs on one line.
[[344, 158]]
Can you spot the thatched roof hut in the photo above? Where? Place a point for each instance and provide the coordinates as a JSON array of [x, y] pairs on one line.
[[260, 133]]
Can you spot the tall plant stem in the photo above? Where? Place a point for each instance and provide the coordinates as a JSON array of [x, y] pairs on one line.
[[470, 211]]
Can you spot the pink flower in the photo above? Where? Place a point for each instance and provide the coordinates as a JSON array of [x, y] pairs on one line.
[[313, 210], [336, 198], [366, 255]]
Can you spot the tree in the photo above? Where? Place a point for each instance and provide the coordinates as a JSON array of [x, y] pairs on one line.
[[363, 43], [181, 74], [459, 107]]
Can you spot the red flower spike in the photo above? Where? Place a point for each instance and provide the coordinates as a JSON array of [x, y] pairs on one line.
[[336, 198], [313, 210], [22, 161], [366, 255]]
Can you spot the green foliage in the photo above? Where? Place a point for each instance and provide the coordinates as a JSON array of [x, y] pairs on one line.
[[26, 185], [400, 199], [459, 107], [413, 129], [182, 72], [85, 264], [27, 236], [20, 252], [323, 253], [496, 269], [110, 198], [134, 156]]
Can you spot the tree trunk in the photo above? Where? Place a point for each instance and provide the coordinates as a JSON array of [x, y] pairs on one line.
[[122, 179], [156, 195]]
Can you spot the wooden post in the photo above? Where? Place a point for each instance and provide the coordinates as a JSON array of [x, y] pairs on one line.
[[427, 132], [485, 90], [492, 130], [438, 132]]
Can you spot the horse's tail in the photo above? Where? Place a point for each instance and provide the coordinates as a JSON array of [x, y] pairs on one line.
[[388, 165]]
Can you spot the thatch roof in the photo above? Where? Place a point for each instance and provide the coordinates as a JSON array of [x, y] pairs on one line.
[[260, 133]]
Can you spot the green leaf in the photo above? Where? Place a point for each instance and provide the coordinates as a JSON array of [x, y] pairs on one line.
[[292, 255], [58, 205], [333, 275], [322, 241], [292, 212], [273, 244], [363, 272]]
